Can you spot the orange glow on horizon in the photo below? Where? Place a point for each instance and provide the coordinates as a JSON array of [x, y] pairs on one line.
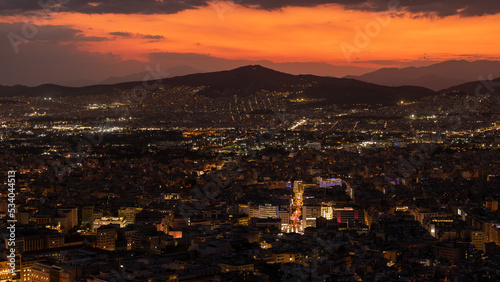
[[293, 34]]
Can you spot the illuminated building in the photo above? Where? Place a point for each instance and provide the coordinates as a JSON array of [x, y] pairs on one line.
[[328, 182], [120, 221], [106, 238], [5, 274], [477, 238], [265, 211], [309, 215], [129, 213]]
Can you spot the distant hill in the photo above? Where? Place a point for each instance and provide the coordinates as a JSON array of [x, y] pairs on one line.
[[483, 87], [335, 90], [247, 80], [437, 76], [170, 72]]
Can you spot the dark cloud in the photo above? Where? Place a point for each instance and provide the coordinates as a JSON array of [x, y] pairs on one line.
[[9, 7], [139, 35], [43, 59], [426, 8], [121, 34], [431, 8], [53, 33], [149, 36], [278, 4]]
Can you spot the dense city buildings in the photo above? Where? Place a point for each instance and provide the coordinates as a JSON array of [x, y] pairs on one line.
[[189, 185], [313, 197], [261, 141]]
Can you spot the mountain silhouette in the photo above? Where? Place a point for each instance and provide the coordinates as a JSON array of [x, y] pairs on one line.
[[247, 80], [436, 77]]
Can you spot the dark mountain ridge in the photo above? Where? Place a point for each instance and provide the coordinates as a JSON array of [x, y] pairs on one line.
[[437, 76], [480, 87], [247, 80]]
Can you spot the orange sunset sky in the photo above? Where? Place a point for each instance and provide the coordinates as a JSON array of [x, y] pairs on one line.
[[332, 33]]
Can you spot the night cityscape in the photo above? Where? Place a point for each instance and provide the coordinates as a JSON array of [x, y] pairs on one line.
[[234, 141]]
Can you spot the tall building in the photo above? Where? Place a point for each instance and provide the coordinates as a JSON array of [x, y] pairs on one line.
[[265, 211], [309, 215], [106, 238], [71, 213], [96, 214], [477, 238], [86, 215], [284, 215]]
